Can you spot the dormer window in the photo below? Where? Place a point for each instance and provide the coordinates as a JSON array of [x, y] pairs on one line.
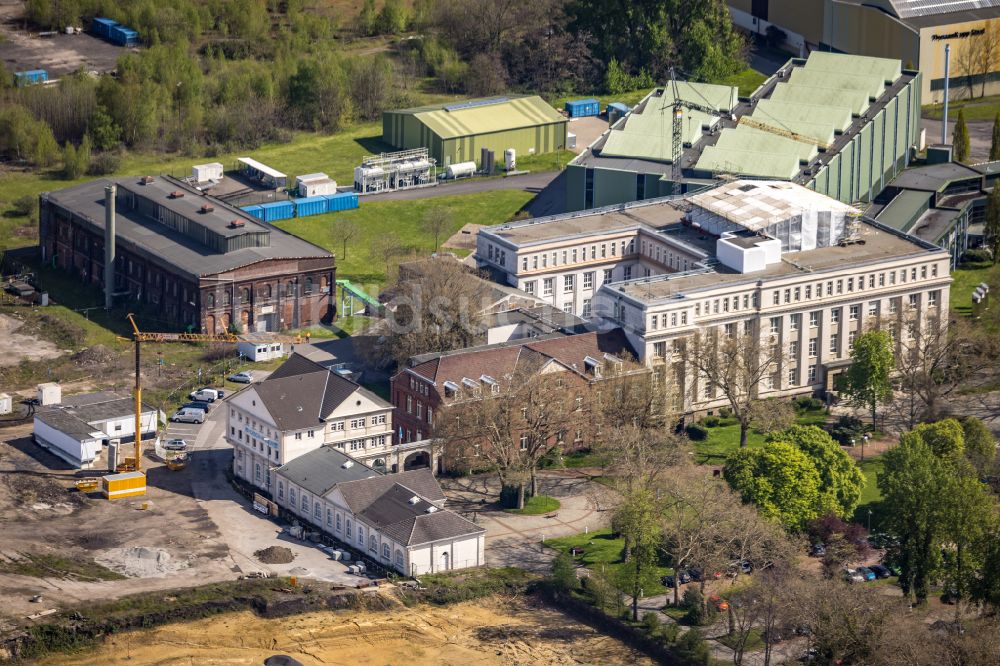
[[472, 385], [451, 389], [492, 383], [593, 366]]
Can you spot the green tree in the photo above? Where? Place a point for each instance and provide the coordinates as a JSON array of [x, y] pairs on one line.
[[913, 492], [105, 133], [392, 18], [867, 382], [564, 572], [367, 18], [960, 138], [992, 226], [970, 512], [841, 480], [616, 79], [995, 142], [22, 137], [780, 479], [638, 521], [945, 438], [980, 445]]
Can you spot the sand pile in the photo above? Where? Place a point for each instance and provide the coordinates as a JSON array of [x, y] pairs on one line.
[[141, 562], [275, 555]]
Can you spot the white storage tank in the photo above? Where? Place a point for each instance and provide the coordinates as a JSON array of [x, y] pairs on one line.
[[460, 170], [202, 173], [6, 404], [510, 159], [49, 394]]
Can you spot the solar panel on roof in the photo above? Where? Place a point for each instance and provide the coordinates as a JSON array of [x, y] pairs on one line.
[[472, 104]]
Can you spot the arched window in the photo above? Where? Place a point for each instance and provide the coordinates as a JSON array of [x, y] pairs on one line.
[[291, 497], [399, 559], [361, 537], [281, 490], [372, 544], [309, 286], [290, 289], [266, 291], [227, 299], [245, 295], [385, 551], [211, 300], [338, 522], [348, 527]]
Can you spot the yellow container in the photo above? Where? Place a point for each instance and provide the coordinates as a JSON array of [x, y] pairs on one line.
[[128, 484], [87, 485]]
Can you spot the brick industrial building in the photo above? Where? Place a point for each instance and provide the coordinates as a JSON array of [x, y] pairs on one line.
[[200, 262]]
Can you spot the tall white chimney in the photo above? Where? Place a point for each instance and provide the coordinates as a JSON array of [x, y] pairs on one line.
[[109, 245]]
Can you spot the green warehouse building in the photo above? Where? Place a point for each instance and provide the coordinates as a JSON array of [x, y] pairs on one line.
[[458, 132], [839, 124]]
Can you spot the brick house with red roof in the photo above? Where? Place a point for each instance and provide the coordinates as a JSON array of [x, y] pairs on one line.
[[432, 381]]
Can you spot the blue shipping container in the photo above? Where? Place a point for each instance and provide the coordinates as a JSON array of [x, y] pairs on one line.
[[123, 36], [255, 211], [341, 201], [583, 107], [279, 210], [310, 206], [102, 27], [31, 76]]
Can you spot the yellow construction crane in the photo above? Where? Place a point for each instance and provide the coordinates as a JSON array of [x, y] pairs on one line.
[[788, 134], [139, 337]]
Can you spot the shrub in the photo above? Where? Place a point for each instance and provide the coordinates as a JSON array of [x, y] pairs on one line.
[[846, 429], [977, 255], [25, 206], [710, 421], [696, 432], [651, 623], [808, 403], [564, 573], [692, 646], [103, 164], [725, 412]]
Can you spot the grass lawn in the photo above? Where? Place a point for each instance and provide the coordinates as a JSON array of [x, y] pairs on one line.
[[747, 81], [724, 439], [871, 497], [365, 262], [980, 108], [583, 459], [537, 505], [755, 641], [965, 281], [600, 552]]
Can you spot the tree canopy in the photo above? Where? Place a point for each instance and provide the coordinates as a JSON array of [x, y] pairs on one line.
[[867, 381], [780, 479], [841, 480]]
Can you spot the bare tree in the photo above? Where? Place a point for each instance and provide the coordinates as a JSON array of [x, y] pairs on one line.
[[772, 415], [634, 396], [639, 458], [438, 310], [512, 425], [344, 230], [434, 222], [967, 64], [987, 52], [387, 248], [734, 365]]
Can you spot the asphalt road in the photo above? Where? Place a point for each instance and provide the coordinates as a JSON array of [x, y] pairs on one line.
[[529, 182]]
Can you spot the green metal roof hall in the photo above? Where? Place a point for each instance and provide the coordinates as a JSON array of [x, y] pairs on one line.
[[456, 132], [842, 125]]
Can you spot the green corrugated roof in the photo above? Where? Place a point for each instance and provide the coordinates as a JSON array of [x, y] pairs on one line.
[[649, 134], [839, 118], [855, 100], [870, 84], [905, 209], [720, 98], [513, 113], [887, 69], [748, 163], [766, 143]]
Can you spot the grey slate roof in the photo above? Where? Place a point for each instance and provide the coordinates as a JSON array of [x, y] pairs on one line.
[[359, 495], [301, 393], [414, 523], [163, 246], [320, 470]]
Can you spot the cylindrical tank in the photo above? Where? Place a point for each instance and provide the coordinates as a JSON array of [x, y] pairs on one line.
[[460, 170], [510, 159]]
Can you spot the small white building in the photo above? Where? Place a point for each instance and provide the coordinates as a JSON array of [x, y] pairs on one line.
[[80, 426], [6, 404], [204, 173], [257, 348], [398, 520], [300, 407], [49, 393], [315, 184]]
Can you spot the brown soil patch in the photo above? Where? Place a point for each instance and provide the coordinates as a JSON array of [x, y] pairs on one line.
[[275, 555], [19, 347], [424, 635]]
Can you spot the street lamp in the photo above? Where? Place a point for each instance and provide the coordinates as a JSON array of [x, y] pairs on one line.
[[869, 520]]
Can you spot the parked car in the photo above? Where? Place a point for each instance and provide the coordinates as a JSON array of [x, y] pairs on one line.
[[880, 571], [244, 377], [817, 550], [176, 445], [718, 603], [188, 415], [203, 405], [206, 394], [683, 578], [867, 573], [852, 576]]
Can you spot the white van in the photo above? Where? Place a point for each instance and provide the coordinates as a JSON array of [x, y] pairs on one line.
[[206, 394], [188, 415]]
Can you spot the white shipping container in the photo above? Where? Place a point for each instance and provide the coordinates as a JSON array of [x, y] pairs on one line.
[[315, 184], [6, 404], [202, 173], [49, 394]]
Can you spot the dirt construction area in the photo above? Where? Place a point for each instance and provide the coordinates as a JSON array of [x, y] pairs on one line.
[[23, 347], [488, 631], [22, 49]]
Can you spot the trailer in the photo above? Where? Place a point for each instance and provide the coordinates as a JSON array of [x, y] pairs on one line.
[[261, 173], [31, 77]]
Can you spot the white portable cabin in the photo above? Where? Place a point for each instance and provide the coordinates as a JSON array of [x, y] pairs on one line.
[[203, 173], [6, 404], [257, 349], [49, 394], [315, 184]]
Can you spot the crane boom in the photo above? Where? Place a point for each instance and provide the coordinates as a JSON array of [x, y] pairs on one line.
[[677, 130], [788, 134]]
